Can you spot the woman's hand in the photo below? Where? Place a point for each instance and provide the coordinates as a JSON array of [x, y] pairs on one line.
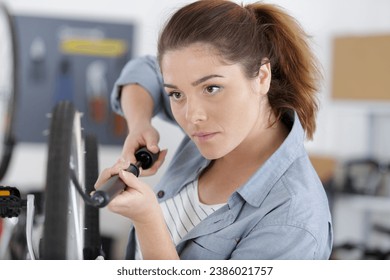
[[137, 106], [137, 202], [143, 135]]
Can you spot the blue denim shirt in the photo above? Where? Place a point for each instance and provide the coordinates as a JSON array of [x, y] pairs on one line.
[[281, 212]]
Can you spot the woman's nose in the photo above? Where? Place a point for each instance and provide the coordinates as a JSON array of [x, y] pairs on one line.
[[195, 112]]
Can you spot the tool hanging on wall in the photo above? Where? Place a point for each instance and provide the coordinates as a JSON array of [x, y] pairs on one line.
[[64, 82], [37, 54], [97, 91]]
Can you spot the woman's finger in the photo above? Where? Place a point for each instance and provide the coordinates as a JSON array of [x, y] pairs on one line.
[[129, 148], [151, 139], [109, 172], [131, 181], [103, 177]]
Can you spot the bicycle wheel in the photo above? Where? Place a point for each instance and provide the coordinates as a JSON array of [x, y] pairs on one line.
[[7, 87], [63, 234], [93, 243]]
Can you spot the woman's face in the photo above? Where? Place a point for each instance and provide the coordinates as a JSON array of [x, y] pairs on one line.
[[218, 107]]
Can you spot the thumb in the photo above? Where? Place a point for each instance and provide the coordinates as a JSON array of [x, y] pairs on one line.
[[151, 139], [131, 180]]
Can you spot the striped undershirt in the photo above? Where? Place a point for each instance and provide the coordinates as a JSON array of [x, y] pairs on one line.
[[183, 212]]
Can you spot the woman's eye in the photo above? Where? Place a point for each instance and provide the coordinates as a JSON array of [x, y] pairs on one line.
[[212, 89], [175, 95]]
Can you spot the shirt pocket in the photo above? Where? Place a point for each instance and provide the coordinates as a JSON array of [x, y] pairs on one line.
[[209, 247]]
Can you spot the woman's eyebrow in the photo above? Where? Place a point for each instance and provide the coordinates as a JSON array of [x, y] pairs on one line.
[[197, 82], [170, 86], [205, 78]]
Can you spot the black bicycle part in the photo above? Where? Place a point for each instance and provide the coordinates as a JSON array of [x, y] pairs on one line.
[[115, 185], [54, 241], [11, 204], [8, 121], [92, 240]]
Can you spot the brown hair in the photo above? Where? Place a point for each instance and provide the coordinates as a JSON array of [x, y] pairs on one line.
[[242, 34]]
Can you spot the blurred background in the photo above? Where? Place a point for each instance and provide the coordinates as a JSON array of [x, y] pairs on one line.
[[350, 150]]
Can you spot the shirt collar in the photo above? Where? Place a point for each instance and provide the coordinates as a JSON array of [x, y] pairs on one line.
[[255, 190]]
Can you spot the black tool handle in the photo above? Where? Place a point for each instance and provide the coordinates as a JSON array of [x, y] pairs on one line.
[[145, 157], [115, 185]]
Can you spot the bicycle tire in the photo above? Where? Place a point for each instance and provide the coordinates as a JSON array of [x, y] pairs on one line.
[[8, 86], [58, 238], [93, 243]]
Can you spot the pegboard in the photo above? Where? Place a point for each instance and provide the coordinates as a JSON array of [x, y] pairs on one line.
[[69, 59]]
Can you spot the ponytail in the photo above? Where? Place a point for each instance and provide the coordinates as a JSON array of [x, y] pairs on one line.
[[295, 70]]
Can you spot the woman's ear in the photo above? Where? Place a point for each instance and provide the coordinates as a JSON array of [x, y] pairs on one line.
[[265, 76]]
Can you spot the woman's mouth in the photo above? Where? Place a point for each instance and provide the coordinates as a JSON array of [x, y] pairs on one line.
[[203, 136]]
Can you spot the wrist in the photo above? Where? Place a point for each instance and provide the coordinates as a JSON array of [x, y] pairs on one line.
[[155, 240], [154, 218], [138, 123]]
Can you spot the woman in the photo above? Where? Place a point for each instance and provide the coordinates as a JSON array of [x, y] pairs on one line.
[[241, 83]]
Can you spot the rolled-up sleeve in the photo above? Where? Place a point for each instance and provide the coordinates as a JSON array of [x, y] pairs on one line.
[[145, 72]]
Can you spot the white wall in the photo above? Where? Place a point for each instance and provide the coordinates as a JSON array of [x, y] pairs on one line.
[[342, 127]]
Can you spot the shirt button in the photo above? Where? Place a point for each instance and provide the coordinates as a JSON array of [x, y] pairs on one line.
[[160, 194]]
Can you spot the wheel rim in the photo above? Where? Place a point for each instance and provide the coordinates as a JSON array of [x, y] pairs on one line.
[[7, 87], [63, 235]]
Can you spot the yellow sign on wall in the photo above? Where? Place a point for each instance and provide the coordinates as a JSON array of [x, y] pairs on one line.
[[94, 47]]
